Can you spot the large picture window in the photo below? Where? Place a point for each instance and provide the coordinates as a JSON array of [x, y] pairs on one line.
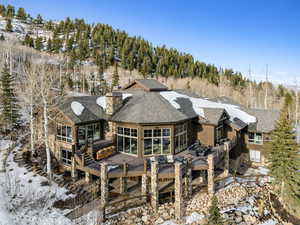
[[66, 156], [157, 141], [127, 140], [63, 133], [180, 138], [89, 132], [255, 138]]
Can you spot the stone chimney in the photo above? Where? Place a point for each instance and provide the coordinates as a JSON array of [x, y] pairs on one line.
[[113, 102]]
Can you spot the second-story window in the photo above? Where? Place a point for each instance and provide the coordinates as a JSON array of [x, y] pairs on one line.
[[63, 133], [255, 138]]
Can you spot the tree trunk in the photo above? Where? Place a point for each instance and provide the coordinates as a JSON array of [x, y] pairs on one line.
[[31, 128], [49, 172], [281, 191]]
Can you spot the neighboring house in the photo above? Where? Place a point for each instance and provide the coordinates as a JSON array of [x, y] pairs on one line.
[[145, 119]]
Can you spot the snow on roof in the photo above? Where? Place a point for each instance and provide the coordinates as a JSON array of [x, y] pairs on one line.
[[77, 108], [125, 95], [234, 111], [101, 101]]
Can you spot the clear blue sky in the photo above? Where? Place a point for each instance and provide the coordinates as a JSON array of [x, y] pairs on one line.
[[231, 33]]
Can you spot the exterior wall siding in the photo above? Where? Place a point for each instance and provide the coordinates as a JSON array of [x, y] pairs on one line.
[[256, 147], [206, 134]]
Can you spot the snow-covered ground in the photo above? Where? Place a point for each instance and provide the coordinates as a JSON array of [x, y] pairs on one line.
[[25, 201]]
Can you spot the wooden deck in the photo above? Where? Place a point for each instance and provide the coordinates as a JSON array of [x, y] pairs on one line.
[[136, 166]]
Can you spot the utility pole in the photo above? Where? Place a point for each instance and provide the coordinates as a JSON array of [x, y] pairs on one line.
[[250, 77], [266, 86], [297, 102]]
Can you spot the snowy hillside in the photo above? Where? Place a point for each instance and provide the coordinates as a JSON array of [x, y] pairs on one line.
[[20, 29]]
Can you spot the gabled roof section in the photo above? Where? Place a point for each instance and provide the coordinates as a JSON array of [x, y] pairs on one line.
[[147, 85], [214, 115], [89, 111], [265, 120]]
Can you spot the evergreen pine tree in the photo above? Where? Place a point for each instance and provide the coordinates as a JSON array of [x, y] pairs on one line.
[[2, 38], [8, 102], [49, 45], [115, 77], [2, 10], [284, 160], [21, 14], [39, 19], [10, 11], [8, 26], [215, 217], [39, 43]]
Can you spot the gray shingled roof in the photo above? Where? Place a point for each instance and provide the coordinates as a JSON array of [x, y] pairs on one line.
[[148, 85], [152, 85], [92, 111], [266, 120], [149, 107], [237, 124], [213, 115]]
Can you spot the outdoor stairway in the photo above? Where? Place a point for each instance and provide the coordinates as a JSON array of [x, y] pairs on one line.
[[88, 159]]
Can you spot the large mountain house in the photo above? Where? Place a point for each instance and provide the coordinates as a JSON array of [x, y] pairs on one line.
[[128, 130], [146, 119]]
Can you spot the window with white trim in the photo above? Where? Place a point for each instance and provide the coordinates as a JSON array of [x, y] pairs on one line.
[[63, 133], [66, 156], [157, 141], [180, 138], [255, 138], [254, 156], [127, 140]]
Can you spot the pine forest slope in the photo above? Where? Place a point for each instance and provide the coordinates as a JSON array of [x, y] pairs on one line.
[[88, 52]]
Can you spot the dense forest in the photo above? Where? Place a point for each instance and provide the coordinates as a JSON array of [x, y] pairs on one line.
[[101, 45], [105, 46]]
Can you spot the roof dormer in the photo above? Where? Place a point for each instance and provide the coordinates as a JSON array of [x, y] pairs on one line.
[[146, 85]]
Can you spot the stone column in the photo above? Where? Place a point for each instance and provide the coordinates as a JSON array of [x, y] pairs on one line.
[[87, 177], [74, 173], [188, 180], [178, 192], [144, 184], [123, 185], [104, 191], [211, 174], [226, 159], [154, 185]]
